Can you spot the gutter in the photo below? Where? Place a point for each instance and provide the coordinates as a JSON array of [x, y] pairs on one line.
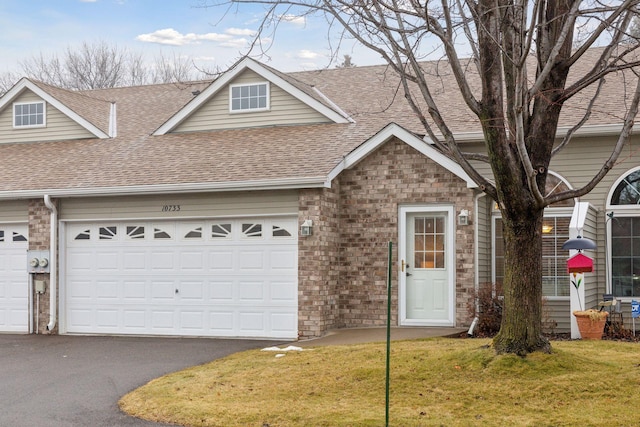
[[53, 261], [136, 190]]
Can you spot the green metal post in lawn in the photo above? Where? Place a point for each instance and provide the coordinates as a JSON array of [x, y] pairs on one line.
[[388, 334]]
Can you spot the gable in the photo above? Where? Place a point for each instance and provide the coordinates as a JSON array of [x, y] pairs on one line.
[[58, 126], [395, 131], [284, 110]]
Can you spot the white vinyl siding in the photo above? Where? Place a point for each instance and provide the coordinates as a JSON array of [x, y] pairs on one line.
[[181, 206], [284, 110], [58, 126], [14, 210]]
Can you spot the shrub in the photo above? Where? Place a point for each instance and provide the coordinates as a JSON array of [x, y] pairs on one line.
[[490, 301]]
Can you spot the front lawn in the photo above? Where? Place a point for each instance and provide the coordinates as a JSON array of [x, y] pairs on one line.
[[434, 382]]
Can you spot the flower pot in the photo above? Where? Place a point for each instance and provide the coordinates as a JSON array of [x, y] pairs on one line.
[[591, 323]]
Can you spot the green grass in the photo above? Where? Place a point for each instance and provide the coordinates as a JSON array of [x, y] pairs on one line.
[[435, 382]]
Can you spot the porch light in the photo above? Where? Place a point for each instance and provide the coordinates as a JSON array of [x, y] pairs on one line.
[[306, 229], [547, 228], [463, 217]]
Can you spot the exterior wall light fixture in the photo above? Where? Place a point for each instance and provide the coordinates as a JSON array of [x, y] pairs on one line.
[[463, 217], [306, 229]]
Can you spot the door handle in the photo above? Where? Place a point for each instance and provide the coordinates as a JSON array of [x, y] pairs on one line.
[[408, 274]]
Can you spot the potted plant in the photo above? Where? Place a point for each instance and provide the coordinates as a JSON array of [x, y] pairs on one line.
[[590, 322]]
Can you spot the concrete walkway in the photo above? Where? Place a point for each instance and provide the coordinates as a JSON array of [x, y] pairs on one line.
[[364, 335]]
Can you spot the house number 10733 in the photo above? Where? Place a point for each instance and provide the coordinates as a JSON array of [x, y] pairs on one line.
[[171, 208]]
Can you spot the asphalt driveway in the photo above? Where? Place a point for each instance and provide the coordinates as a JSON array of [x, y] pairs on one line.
[[52, 380]]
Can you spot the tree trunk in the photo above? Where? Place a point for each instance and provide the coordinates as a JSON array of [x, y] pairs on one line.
[[521, 328]]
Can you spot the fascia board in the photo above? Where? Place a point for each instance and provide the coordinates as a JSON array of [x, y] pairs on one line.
[[261, 185], [584, 131], [24, 84], [394, 130], [222, 81]]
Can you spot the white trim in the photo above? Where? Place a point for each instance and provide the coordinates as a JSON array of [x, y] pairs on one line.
[[394, 130], [226, 78], [39, 125], [333, 104], [584, 131], [25, 83], [250, 110], [613, 187], [258, 185], [403, 211], [113, 120]]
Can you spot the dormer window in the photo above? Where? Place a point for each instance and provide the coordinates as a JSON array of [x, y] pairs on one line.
[[249, 97], [30, 114]]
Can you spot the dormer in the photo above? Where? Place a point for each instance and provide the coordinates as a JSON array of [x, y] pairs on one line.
[[253, 95], [36, 112]]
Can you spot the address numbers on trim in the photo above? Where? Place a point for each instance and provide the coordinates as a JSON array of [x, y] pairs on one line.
[[170, 208]]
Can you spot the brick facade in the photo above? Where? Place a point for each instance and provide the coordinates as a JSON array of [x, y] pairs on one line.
[[343, 267], [39, 239]]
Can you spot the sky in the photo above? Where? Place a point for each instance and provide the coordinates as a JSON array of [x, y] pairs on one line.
[[211, 37]]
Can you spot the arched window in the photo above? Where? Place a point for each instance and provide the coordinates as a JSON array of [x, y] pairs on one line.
[[623, 225], [555, 231]]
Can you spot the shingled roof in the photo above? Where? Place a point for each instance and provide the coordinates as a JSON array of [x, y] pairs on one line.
[[136, 160]]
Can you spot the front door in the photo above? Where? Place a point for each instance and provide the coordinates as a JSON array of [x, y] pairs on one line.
[[427, 266]]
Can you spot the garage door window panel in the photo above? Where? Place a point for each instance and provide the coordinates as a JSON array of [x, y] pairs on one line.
[[252, 230], [221, 231], [108, 233], [135, 232]]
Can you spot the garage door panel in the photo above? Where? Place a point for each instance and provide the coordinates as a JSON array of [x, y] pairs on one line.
[[80, 260], [221, 321], [283, 260], [252, 322], [134, 261], [192, 321], [250, 260], [283, 291], [80, 290], [251, 291], [162, 291], [197, 278], [221, 290], [134, 320], [192, 261], [192, 290], [107, 290], [107, 261], [135, 290], [162, 320], [221, 260], [107, 319], [14, 294]]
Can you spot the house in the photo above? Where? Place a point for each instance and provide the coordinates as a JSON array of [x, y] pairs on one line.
[[260, 204]]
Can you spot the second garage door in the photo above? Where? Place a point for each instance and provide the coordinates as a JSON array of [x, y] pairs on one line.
[[14, 295], [231, 278]]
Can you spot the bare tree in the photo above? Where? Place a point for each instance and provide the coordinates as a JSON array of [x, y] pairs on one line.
[[100, 65], [346, 63], [521, 53]]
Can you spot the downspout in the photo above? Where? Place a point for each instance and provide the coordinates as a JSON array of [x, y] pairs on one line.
[[53, 262], [476, 255]]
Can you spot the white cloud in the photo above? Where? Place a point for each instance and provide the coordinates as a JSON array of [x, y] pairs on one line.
[[169, 36], [307, 54], [294, 19], [240, 32]]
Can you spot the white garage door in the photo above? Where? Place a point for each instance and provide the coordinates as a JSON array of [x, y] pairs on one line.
[[14, 294], [236, 278]]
